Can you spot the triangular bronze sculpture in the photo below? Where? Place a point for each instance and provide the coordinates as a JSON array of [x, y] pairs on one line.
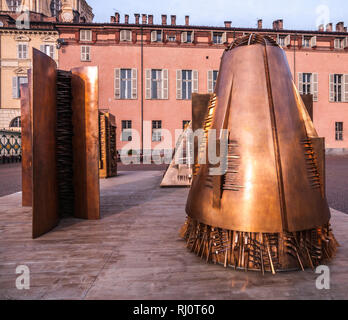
[[269, 211]]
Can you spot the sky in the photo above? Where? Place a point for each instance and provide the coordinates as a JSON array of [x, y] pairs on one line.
[[297, 14]]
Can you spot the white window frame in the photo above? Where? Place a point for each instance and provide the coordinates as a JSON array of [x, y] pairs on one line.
[[85, 35], [339, 132], [50, 52], [125, 35], [21, 53], [184, 36], [16, 86], [162, 80], [126, 132], [154, 35], [86, 56], [211, 81], [222, 37], [306, 42], [133, 84], [156, 130]]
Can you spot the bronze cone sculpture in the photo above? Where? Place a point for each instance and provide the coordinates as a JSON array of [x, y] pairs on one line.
[[268, 212]]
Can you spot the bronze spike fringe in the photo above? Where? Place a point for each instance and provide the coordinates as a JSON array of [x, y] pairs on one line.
[[262, 252]]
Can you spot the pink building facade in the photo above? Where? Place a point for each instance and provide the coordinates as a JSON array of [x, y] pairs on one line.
[[147, 72]]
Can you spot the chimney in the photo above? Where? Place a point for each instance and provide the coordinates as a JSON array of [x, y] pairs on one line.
[[340, 27], [187, 20], [164, 19], [259, 24], [173, 20], [321, 28], [228, 24], [112, 19], [126, 18], [280, 24], [144, 19], [150, 19], [117, 18], [329, 27], [275, 25], [137, 17]]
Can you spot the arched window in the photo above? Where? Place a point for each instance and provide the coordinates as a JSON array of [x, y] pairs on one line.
[[16, 123], [13, 5], [56, 6]]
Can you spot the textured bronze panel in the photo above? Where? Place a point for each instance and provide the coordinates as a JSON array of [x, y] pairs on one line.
[[86, 142], [27, 170], [268, 211], [199, 109], [43, 101]]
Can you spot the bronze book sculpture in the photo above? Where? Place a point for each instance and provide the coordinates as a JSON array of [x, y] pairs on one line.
[[268, 210]]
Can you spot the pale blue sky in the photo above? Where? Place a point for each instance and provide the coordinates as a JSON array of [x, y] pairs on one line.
[[297, 14]]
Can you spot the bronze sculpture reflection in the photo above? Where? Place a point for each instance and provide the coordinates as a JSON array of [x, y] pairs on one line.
[[268, 211]]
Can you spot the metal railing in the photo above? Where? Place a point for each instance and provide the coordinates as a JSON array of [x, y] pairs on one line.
[[10, 146]]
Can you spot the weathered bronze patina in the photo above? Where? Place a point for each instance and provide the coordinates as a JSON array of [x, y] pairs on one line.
[[268, 212]]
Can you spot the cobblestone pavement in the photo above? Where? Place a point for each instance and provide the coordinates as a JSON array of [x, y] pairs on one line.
[[336, 171]]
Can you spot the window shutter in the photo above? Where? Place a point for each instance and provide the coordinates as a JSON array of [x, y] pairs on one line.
[[134, 83], [19, 51], [148, 84], [52, 51], [153, 36], [300, 82], [210, 81], [287, 40], [337, 43], [165, 84], [15, 87], [129, 35], [332, 93], [345, 80], [192, 37], [224, 37], [345, 43], [179, 84], [117, 83], [82, 53], [314, 41], [314, 86], [195, 81], [184, 37], [122, 35], [278, 39], [42, 48]]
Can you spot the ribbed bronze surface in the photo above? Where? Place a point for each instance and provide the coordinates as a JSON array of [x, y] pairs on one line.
[[273, 187]]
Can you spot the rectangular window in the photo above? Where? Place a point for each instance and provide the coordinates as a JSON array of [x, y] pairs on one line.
[[338, 84], [48, 49], [185, 124], [126, 130], [156, 131], [22, 51], [13, 5], [306, 42], [156, 36], [215, 76], [189, 37], [212, 78], [307, 82], [339, 43], [339, 131], [156, 84], [281, 41], [85, 53], [186, 84], [217, 37], [16, 86], [85, 35], [126, 83], [171, 38], [126, 35]]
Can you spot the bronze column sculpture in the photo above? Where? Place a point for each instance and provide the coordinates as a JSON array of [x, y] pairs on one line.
[[268, 211]]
